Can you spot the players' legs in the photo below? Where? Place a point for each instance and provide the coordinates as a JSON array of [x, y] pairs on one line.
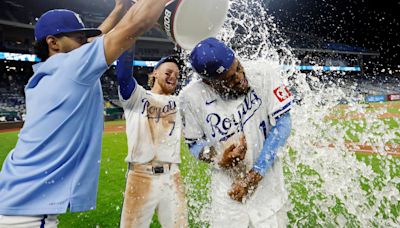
[[226, 212], [140, 200], [46, 221], [172, 211]]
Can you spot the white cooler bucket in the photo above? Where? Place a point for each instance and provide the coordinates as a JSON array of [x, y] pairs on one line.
[[186, 22]]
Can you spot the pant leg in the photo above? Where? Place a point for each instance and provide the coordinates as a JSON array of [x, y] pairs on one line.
[[225, 212], [140, 200], [172, 210], [278, 220], [50, 221]]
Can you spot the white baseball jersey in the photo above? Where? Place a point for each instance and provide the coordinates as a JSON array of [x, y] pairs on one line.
[[153, 127], [221, 121]]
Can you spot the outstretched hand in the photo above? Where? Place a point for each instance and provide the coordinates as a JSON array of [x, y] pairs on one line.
[[244, 187], [234, 154]]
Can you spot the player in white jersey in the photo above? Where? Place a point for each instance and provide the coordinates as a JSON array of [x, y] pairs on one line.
[[153, 128], [244, 123]]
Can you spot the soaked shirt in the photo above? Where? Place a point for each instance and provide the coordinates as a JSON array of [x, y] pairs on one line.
[[222, 122], [55, 163], [153, 127]]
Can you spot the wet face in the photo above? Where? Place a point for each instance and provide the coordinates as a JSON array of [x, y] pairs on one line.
[[166, 78], [65, 43], [233, 83]]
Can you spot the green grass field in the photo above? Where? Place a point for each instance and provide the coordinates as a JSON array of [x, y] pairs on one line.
[[113, 169]]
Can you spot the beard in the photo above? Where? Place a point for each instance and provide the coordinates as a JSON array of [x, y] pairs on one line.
[[232, 93]]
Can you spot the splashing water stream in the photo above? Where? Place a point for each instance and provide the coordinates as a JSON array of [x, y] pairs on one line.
[[328, 184]]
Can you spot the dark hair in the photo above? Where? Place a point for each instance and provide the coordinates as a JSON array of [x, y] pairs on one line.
[[41, 49]]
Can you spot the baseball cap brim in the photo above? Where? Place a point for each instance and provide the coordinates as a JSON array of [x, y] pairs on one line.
[[89, 32], [170, 59]]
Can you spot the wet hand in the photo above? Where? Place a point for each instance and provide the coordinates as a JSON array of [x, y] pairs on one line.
[[234, 154], [244, 187]]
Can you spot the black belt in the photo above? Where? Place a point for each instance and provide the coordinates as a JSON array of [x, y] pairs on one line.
[[149, 168]]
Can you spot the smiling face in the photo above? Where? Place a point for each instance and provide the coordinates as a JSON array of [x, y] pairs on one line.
[[166, 78], [233, 83]]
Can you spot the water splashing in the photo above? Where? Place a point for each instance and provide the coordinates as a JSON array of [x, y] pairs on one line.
[[328, 184]]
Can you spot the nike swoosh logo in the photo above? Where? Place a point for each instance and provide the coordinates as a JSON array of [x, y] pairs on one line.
[[210, 102]]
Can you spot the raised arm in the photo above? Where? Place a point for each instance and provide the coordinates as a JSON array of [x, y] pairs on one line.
[[139, 18], [124, 69], [121, 7]]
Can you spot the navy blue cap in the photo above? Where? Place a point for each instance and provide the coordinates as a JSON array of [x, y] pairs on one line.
[[169, 59], [211, 58], [59, 21]]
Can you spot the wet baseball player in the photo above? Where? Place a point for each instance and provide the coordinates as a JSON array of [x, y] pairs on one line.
[[54, 166], [238, 122], [153, 128]]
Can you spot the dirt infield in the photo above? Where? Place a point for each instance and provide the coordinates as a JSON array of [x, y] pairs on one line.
[[9, 130], [10, 126], [394, 104], [114, 128], [358, 116]]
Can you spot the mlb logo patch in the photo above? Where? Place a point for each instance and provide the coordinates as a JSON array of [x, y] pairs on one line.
[[282, 93]]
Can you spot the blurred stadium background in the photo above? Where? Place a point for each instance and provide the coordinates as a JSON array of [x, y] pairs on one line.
[[324, 37], [351, 42]]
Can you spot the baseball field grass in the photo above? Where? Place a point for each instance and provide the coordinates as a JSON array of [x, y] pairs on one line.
[[113, 170]]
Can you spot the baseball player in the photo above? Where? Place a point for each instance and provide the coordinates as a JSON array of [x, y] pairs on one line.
[[243, 122], [153, 128], [54, 166]]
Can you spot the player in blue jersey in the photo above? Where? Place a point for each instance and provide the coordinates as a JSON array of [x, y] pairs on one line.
[[55, 164], [238, 122]]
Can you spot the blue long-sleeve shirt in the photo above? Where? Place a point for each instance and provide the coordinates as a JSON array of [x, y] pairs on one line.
[[276, 138], [124, 70]]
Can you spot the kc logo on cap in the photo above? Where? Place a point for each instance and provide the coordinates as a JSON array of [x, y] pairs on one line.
[[211, 58]]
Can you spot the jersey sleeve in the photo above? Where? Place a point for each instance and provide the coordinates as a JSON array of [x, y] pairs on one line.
[[133, 101], [86, 64], [278, 95], [192, 129]]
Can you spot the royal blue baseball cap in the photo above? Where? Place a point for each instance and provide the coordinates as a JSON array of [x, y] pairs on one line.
[[211, 58], [59, 21], [170, 59]]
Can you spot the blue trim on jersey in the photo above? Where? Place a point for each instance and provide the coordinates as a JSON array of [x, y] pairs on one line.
[[43, 221], [196, 146], [124, 70], [277, 137], [282, 109]]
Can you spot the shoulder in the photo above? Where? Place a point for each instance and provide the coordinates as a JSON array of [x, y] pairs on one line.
[[192, 90], [95, 46]]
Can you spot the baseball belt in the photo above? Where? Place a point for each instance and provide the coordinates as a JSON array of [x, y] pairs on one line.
[[150, 168]]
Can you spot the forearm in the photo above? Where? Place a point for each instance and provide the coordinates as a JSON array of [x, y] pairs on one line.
[[113, 18], [276, 138], [197, 147], [139, 18], [124, 70], [202, 150]]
